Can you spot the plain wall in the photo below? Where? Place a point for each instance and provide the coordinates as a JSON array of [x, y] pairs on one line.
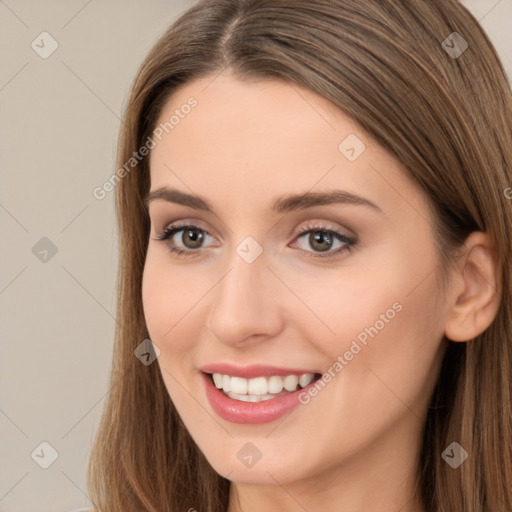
[[59, 121]]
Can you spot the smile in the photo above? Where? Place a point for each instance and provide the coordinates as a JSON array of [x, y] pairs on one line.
[[254, 394], [260, 388]]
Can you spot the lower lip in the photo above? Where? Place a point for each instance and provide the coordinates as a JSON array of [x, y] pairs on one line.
[[237, 411]]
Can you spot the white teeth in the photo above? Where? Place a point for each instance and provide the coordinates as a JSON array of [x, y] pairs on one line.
[[275, 384], [217, 379], [290, 382], [249, 398], [257, 386], [238, 385], [226, 381], [260, 388], [305, 379]]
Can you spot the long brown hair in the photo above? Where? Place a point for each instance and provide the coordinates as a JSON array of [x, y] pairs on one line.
[[447, 118]]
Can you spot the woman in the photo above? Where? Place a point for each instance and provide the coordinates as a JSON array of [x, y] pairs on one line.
[[314, 281]]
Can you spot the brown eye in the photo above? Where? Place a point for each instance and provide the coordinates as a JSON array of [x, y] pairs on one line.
[[192, 238], [320, 240], [189, 243], [315, 240]]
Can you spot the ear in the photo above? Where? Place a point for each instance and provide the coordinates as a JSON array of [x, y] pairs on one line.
[[476, 289]]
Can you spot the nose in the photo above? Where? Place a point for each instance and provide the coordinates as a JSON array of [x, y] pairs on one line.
[[245, 307]]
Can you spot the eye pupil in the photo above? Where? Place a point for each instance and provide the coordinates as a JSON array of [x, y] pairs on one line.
[[316, 238], [192, 236]]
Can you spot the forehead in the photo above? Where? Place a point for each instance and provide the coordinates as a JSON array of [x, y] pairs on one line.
[[239, 122], [254, 139]]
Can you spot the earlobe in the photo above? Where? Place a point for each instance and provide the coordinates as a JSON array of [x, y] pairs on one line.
[[476, 288]]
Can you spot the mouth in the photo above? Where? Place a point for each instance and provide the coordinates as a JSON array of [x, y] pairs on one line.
[[259, 389], [258, 399]]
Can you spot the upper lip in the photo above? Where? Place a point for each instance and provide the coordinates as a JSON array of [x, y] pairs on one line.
[[252, 371]]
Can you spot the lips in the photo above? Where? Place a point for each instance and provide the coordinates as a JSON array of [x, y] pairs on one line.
[[253, 409]]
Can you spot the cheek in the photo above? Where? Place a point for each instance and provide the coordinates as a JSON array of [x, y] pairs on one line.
[[389, 329], [166, 298], [169, 294], [157, 300], [381, 310]]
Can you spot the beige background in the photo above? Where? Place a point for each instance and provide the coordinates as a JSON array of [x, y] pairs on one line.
[[59, 122]]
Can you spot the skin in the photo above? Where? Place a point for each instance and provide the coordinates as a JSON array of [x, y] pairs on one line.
[[355, 446]]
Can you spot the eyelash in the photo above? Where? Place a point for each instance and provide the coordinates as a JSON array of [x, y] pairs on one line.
[[170, 231]]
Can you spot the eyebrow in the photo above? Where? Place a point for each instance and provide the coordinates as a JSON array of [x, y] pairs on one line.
[[281, 205]]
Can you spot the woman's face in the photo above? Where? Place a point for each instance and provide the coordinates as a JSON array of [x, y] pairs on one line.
[[339, 283]]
